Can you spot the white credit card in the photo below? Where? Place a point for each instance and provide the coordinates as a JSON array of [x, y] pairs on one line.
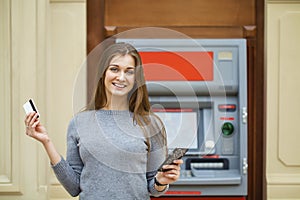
[[30, 106]]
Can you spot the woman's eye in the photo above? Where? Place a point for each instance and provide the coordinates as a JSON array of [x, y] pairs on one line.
[[114, 69], [130, 72]]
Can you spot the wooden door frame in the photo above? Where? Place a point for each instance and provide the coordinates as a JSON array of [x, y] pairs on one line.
[[256, 90]]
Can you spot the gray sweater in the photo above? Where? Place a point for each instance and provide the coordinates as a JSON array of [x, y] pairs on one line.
[[108, 157]]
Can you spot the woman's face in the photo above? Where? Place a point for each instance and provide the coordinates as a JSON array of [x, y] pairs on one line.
[[120, 76]]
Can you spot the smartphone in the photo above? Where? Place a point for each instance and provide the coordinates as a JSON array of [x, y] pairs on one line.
[[176, 154], [30, 106]]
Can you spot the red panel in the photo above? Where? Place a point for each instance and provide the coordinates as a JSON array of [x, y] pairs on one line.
[[227, 106], [200, 198], [227, 118], [178, 66], [183, 192], [211, 156]]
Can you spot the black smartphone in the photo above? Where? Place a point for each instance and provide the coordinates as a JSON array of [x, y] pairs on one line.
[[176, 154]]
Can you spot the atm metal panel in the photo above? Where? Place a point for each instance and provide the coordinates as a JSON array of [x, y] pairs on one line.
[[215, 94]]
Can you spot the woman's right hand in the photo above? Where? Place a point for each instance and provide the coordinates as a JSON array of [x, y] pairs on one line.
[[35, 129]]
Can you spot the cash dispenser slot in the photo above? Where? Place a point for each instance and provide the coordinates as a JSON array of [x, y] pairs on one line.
[[210, 171], [207, 163]]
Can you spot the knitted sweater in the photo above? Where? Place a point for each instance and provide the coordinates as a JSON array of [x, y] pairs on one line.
[[108, 157]]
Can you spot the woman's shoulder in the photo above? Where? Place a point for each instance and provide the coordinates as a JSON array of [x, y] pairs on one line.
[[85, 113], [82, 116]]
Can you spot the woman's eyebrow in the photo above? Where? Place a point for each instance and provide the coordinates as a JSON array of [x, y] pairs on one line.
[[116, 65], [127, 67]]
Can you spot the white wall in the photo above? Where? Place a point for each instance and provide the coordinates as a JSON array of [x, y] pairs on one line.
[[42, 46], [283, 99]]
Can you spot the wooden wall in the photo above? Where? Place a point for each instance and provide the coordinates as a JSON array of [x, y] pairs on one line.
[[225, 18], [198, 19]]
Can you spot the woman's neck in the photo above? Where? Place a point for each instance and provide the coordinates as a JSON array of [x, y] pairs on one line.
[[116, 106]]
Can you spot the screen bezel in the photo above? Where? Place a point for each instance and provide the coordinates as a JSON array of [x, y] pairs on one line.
[[199, 136]]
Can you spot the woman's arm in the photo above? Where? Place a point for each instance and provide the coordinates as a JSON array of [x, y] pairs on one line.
[[36, 130], [67, 172]]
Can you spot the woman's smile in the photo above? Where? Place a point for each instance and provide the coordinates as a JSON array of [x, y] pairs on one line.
[[118, 85]]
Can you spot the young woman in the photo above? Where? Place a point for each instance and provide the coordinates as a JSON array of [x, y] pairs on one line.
[[116, 145]]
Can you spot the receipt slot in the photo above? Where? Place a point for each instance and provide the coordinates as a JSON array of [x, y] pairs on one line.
[[198, 87]]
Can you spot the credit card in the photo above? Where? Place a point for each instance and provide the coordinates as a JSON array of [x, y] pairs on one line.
[[30, 106]]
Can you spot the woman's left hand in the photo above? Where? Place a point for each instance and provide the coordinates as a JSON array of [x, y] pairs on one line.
[[170, 173]]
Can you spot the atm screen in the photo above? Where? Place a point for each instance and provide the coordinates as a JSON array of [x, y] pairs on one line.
[[181, 127]]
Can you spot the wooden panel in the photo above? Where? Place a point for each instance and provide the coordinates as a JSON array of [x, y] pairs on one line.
[[289, 107], [9, 161], [256, 108], [66, 77], [95, 35], [179, 13], [283, 171], [193, 32], [67, 1], [5, 100], [205, 19]]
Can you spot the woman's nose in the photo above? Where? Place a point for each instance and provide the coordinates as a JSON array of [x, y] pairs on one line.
[[121, 76]]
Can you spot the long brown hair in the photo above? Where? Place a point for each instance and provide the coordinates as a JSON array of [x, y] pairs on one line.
[[138, 99]]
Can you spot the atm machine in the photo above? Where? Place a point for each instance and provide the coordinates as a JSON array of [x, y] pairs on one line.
[[198, 87]]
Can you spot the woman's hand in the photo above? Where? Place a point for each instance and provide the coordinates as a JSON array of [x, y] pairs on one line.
[[170, 173], [35, 129]]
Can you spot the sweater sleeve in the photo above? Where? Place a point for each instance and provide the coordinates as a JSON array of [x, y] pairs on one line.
[[156, 155], [68, 171], [151, 188]]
